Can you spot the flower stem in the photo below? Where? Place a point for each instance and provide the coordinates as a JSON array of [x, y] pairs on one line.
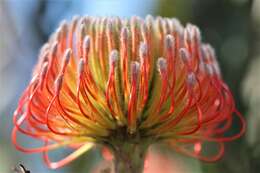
[[129, 158]]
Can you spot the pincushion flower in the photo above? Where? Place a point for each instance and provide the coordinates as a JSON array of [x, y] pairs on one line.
[[126, 84]]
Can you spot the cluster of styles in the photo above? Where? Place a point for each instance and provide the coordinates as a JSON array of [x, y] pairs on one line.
[[150, 79]]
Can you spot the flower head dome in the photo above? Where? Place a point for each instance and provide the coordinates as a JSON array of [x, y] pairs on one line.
[[104, 80]]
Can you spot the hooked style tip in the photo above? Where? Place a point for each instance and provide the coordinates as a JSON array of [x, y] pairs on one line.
[[177, 26], [82, 31], [54, 49], [161, 64], [67, 56], [81, 66], [58, 83], [184, 55], [113, 58], [191, 79], [109, 27], [135, 68], [86, 42], [44, 69], [208, 69], [64, 27], [124, 33], [143, 50], [169, 41]]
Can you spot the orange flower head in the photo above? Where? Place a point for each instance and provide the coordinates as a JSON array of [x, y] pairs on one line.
[[105, 79]]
